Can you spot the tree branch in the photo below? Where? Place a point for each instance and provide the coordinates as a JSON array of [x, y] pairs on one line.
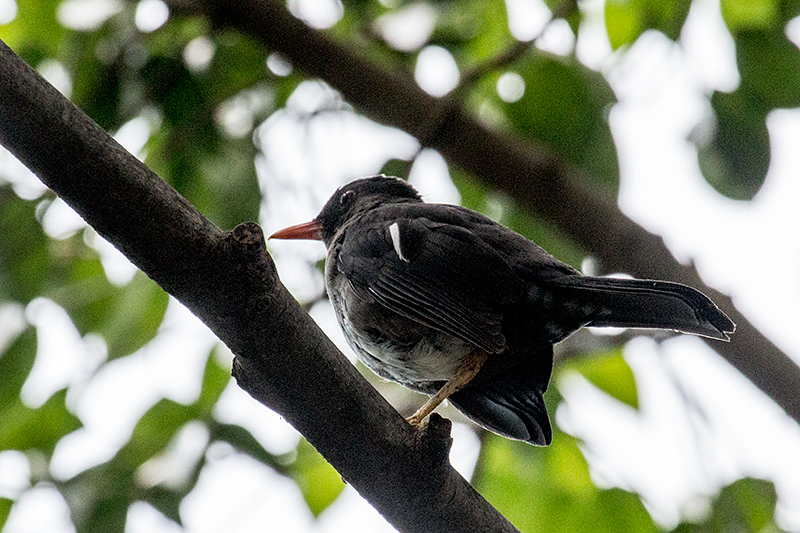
[[530, 173], [228, 280]]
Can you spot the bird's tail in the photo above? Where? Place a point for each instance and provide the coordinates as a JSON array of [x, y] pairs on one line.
[[634, 303]]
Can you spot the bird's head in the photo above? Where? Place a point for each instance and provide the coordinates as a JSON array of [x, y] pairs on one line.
[[358, 196]]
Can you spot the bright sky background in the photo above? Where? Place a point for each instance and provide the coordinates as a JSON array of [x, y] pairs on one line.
[[747, 249]]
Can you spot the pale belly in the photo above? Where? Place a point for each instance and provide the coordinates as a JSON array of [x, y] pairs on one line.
[[426, 358], [424, 362]]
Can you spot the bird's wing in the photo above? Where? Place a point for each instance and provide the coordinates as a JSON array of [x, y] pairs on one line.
[[440, 275]]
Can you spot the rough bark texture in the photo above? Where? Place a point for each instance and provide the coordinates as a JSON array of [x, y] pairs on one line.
[[550, 188], [227, 279]]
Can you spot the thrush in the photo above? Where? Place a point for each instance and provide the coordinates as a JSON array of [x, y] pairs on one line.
[[447, 302]]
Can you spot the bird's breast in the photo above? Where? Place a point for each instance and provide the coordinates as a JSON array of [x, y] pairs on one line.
[[393, 346]]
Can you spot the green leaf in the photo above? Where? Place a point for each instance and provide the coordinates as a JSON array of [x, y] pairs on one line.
[[23, 428], [473, 31], [746, 502], [749, 14], [215, 379], [769, 64], [35, 32], [623, 23], [100, 87], [492, 35], [319, 482], [610, 373], [472, 192], [397, 167], [167, 501], [626, 20], [134, 316], [238, 64], [736, 160], [25, 258], [99, 498], [568, 467], [154, 431], [175, 90], [215, 173], [126, 317], [619, 510], [81, 287], [565, 106], [217, 176], [16, 363], [244, 442], [550, 490], [5, 510], [227, 190], [746, 506]]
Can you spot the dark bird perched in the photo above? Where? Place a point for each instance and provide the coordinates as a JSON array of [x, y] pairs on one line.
[[445, 301]]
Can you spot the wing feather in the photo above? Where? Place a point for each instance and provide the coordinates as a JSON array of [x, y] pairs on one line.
[[440, 275]]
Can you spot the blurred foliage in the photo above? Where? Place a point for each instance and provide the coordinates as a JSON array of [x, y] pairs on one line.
[[200, 91], [5, 509], [610, 373], [627, 20], [550, 489], [736, 157], [579, 132], [319, 482], [746, 505]]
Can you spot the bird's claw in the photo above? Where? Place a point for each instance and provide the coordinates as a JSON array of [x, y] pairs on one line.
[[416, 421]]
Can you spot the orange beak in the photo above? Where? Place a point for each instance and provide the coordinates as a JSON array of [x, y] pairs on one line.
[[310, 231]]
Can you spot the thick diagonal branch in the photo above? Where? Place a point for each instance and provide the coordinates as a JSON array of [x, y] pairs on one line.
[[538, 179], [227, 279]]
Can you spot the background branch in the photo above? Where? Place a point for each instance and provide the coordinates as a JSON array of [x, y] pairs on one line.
[[228, 280], [530, 173]]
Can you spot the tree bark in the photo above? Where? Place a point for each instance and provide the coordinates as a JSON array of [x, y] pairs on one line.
[[228, 280], [537, 178]]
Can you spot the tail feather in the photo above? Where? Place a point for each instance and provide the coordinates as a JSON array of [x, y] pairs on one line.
[[511, 402], [634, 303]]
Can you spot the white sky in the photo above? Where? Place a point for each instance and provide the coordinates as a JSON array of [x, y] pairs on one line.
[[675, 461]]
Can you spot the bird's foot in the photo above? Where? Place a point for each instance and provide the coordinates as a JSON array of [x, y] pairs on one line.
[[419, 422], [469, 368]]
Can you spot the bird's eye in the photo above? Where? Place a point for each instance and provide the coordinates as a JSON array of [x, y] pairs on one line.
[[347, 198]]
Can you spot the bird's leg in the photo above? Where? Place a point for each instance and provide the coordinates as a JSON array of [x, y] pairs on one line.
[[468, 369]]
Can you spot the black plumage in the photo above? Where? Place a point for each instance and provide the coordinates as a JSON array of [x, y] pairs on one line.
[[417, 287]]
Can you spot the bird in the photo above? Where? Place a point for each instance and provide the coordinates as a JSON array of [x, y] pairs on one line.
[[445, 301]]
